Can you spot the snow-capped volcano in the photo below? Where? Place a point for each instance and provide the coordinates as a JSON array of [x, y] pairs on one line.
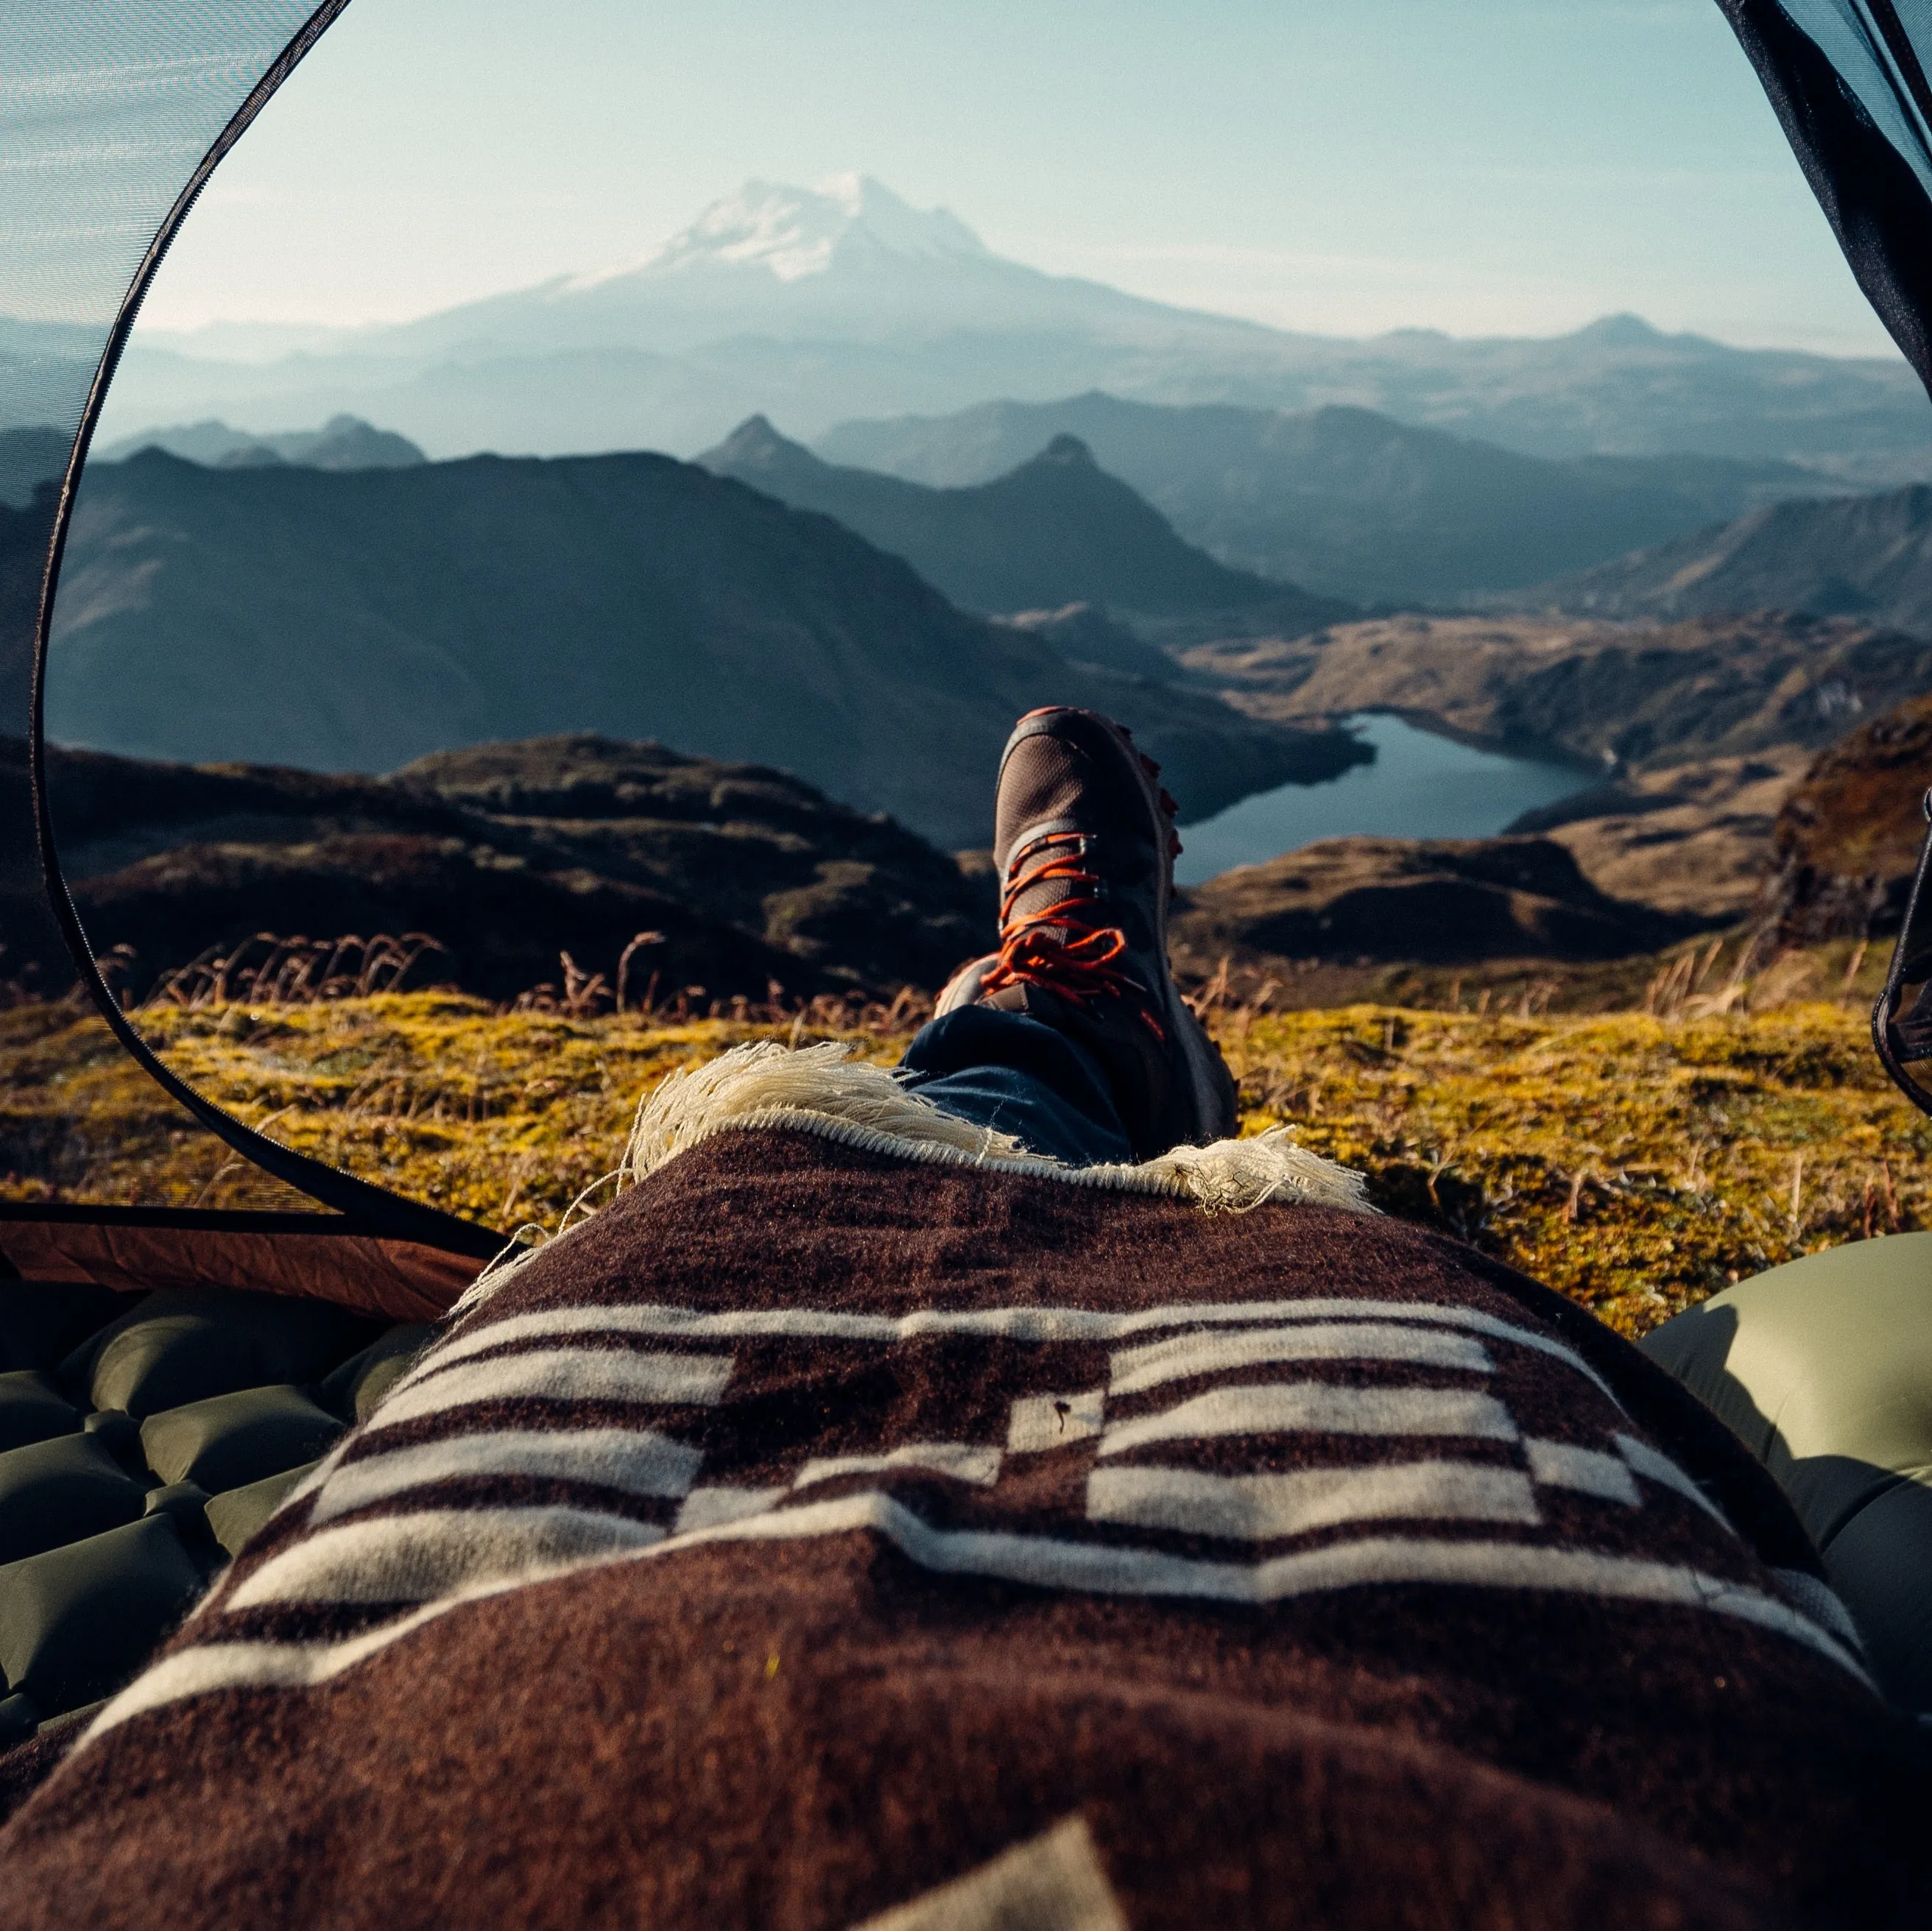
[[796, 231], [848, 261], [815, 306], [811, 303]]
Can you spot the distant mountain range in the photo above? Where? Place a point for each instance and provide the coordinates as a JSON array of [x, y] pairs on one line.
[[1351, 503], [815, 306], [1867, 557], [355, 620], [1346, 502], [1055, 529], [342, 442]]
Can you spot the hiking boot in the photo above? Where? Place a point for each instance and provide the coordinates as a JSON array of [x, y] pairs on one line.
[[1084, 836]]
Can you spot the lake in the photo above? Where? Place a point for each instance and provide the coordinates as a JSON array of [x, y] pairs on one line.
[[1420, 786]]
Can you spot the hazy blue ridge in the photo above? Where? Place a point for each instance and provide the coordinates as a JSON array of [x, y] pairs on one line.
[[354, 620]]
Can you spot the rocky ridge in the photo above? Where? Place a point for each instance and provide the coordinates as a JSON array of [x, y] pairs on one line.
[[1864, 557], [1345, 499], [1056, 529], [508, 854]]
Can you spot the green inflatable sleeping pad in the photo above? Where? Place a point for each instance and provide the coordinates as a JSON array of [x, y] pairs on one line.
[[1823, 1369], [142, 1439]]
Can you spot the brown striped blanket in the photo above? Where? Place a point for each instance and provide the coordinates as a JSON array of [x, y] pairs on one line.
[[816, 1538]]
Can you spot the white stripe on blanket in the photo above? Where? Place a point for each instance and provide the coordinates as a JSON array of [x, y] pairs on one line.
[[1656, 1466], [961, 1461], [551, 1325], [1044, 1562], [560, 1374], [1258, 1508], [1321, 1408], [419, 1556], [1589, 1471], [639, 1462], [1148, 1366]]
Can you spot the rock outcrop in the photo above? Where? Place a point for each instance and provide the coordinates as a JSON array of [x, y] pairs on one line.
[[1847, 840], [1433, 901]]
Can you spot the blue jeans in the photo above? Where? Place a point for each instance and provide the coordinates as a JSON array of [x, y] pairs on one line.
[[1006, 1070]]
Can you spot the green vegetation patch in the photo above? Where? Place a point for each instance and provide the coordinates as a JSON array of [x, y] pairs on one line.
[[1635, 1162]]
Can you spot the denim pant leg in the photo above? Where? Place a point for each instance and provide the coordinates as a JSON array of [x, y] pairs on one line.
[[1003, 1070]]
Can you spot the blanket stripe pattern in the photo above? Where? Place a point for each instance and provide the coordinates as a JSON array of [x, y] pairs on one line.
[[1345, 1476], [1138, 1454]]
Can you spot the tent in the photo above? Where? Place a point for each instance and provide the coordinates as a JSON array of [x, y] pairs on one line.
[[112, 123], [112, 126]]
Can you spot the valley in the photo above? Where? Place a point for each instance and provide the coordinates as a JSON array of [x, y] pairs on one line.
[[1658, 576], [429, 589]]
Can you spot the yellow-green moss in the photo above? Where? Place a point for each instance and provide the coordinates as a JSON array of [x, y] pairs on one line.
[[1637, 1163]]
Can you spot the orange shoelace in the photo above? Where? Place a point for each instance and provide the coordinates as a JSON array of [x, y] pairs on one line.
[[1056, 948]]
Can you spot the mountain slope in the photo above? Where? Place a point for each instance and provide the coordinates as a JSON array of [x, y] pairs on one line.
[[356, 620], [1057, 529], [1345, 501], [1867, 556], [1847, 842], [816, 305]]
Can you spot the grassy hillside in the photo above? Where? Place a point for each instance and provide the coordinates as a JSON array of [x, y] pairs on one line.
[[1637, 1162]]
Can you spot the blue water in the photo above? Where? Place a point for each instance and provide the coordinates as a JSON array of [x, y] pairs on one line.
[[1420, 786]]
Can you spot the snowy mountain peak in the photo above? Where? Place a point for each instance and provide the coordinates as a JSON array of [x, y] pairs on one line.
[[796, 231]]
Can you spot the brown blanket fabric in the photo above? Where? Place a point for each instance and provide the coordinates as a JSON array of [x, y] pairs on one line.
[[819, 1539]]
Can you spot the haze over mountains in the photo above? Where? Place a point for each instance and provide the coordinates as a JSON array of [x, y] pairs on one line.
[[1055, 529], [1341, 500], [816, 306]]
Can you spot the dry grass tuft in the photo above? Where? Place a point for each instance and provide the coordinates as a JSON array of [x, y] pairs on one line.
[[1636, 1160]]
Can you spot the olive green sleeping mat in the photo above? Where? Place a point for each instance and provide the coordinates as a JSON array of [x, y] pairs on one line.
[[1824, 1369]]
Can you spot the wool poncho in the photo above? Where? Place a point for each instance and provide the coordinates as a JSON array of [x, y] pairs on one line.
[[822, 1538]]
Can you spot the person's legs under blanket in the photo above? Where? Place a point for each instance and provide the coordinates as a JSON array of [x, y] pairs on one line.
[[844, 1530], [1016, 1075]]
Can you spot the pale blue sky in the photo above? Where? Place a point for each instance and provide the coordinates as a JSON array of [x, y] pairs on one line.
[[1486, 166]]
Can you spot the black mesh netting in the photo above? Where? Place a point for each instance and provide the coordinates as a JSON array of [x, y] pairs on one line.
[[111, 118], [106, 114]]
